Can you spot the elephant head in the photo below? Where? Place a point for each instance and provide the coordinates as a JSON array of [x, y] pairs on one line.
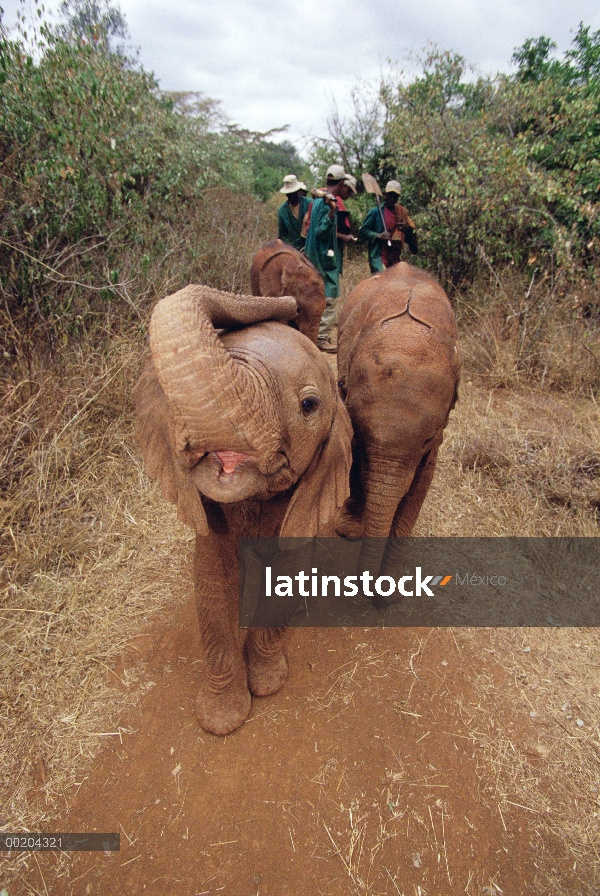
[[302, 280], [244, 414]]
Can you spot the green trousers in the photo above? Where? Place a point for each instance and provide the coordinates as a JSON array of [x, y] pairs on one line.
[[331, 280]]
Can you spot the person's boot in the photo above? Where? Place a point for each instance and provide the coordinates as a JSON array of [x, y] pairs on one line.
[[326, 345]]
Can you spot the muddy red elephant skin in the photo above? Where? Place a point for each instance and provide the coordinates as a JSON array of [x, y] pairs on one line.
[[280, 270], [247, 435], [398, 370]]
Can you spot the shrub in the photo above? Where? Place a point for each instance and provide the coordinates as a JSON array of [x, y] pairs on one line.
[[100, 177], [493, 169]]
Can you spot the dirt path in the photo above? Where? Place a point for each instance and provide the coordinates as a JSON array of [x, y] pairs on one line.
[[362, 776]]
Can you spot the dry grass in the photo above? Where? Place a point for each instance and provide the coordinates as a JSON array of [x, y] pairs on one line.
[[540, 746], [79, 522], [519, 332], [527, 463], [517, 463]]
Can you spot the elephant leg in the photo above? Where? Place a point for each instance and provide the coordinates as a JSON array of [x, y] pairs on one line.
[[223, 701], [267, 664], [311, 330], [410, 506], [308, 324], [349, 522]]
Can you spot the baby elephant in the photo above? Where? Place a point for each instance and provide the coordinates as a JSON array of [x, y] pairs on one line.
[[280, 270], [398, 369], [247, 435]]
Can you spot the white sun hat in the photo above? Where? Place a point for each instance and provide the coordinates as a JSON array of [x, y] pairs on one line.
[[336, 172], [291, 184]]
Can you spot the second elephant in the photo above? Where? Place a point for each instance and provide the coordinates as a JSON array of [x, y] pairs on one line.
[[398, 370], [280, 270]]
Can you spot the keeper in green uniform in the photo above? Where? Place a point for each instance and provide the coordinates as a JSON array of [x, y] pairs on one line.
[[323, 243], [385, 243], [291, 213]]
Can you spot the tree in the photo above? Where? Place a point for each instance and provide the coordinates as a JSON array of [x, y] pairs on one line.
[[271, 162], [500, 168], [97, 22], [584, 59], [533, 59], [98, 170], [356, 139], [465, 179]]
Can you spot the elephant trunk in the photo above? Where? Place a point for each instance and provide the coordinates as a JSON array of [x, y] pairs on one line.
[[386, 483], [215, 400]]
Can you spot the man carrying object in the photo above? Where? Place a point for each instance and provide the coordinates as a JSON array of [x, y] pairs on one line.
[[385, 243], [323, 242]]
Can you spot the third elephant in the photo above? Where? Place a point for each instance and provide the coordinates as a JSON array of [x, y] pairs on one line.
[[280, 270]]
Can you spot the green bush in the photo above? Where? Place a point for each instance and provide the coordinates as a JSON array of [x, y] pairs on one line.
[[496, 171], [100, 175]]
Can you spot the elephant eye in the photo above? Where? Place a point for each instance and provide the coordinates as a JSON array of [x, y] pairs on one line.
[[309, 405]]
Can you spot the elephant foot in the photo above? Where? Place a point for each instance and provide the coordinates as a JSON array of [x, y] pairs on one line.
[[222, 712], [349, 526], [267, 675], [382, 603]]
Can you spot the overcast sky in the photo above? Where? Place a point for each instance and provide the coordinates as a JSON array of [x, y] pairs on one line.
[[275, 63]]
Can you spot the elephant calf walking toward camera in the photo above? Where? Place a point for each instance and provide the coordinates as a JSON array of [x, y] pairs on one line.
[[247, 435], [398, 370], [280, 270]]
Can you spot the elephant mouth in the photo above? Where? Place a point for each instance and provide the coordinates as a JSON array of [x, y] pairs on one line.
[[230, 460], [235, 476]]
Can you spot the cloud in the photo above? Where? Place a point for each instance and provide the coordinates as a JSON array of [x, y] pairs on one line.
[[274, 63]]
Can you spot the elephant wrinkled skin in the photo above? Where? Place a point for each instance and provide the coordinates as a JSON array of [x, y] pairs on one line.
[[247, 435], [280, 270], [398, 370]]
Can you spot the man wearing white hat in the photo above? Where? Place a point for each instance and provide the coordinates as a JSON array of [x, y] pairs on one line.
[[385, 242], [291, 213], [324, 244]]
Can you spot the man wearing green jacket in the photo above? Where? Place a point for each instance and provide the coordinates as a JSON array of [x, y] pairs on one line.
[[291, 213], [323, 243], [385, 243]]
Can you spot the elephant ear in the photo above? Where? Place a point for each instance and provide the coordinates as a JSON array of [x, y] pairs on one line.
[[291, 272], [155, 436], [324, 486], [289, 279]]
